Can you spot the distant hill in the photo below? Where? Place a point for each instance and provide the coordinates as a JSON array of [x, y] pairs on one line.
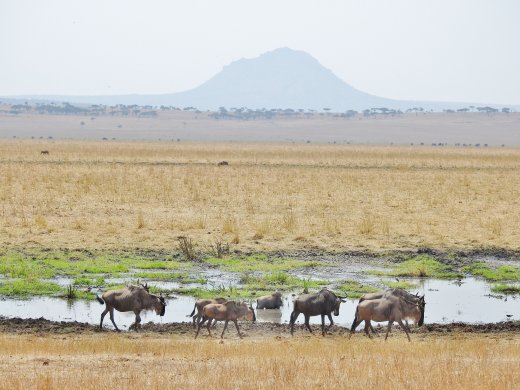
[[282, 78]]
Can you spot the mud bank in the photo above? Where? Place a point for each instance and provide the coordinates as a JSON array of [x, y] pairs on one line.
[[42, 326]]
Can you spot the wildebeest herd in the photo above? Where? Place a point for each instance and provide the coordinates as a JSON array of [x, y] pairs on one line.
[[393, 305]]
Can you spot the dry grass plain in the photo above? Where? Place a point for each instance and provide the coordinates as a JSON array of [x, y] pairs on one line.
[[113, 195], [120, 361]]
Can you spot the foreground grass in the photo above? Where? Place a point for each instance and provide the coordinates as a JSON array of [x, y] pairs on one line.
[[156, 362], [270, 197]]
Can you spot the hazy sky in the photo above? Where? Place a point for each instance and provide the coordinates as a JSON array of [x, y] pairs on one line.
[[448, 50]]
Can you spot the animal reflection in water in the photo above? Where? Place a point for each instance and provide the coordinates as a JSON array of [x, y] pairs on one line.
[[131, 298]]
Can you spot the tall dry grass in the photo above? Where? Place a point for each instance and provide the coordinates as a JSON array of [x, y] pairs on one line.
[[272, 196], [153, 362]]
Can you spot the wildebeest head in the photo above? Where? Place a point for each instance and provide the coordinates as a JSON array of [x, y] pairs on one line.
[[337, 302], [252, 311], [421, 305], [160, 306]]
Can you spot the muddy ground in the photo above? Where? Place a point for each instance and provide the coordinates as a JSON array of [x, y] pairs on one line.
[[43, 327]]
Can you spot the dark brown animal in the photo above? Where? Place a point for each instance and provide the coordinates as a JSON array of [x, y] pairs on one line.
[[229, 311], [199, 305], [130, 298], [222, 163], [44, 152], [273, 301], [322, 303]]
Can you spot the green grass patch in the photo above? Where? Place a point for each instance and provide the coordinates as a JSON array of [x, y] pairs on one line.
[[226, 292], [15, 265], [259, 263], [422, 266], [88, 281], [164, 264], [181, 277], [505, 289], [403, 285], [279, 281], [27, 287], [505, 272], [353, 289]]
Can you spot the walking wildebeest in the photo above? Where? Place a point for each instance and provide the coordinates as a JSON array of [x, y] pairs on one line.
[[273, 301], [396, 292], [229, 311], [44, 152], [389, 308], [199, 305], [130, 298], [322, 303]]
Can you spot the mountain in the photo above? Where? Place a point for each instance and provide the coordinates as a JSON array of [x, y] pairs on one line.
[[282, 78]]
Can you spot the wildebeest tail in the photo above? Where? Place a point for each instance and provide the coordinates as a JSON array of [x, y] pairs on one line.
[[193, 312], [101, 301]]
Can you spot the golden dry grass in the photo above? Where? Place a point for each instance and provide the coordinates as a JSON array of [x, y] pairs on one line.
[[158, 362], [271, 197]]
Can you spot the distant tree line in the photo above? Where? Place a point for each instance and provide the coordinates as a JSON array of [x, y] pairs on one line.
[[223, 113]]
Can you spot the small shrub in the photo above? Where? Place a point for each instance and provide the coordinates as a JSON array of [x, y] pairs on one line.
[[219, 248], [71, 292], [187, 248]]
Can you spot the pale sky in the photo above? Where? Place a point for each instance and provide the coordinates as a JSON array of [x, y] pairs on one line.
[[443, 50]]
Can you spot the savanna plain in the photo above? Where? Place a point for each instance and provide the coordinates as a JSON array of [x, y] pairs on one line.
[[140, 197]]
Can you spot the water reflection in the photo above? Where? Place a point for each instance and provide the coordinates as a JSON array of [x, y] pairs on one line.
[[447, 301]]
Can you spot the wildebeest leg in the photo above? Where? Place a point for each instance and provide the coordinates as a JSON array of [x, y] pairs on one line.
[[404, 328], [238, 330], [112, 319], [137, 323], [367, 328], [209, 326], [389, 328], [225, 327], [330, 320], [103, 316], [407, 325], [372, 328], [323, 325], [307, 318], [294, 316], [199, 325], [355, 324]]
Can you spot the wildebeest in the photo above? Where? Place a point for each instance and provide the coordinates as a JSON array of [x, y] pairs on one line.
[[389, 308], [228, 311], [222, 163], [273, 301], [199, 305], [44, 152], [396, 292], [322, 303], [130, 298]]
